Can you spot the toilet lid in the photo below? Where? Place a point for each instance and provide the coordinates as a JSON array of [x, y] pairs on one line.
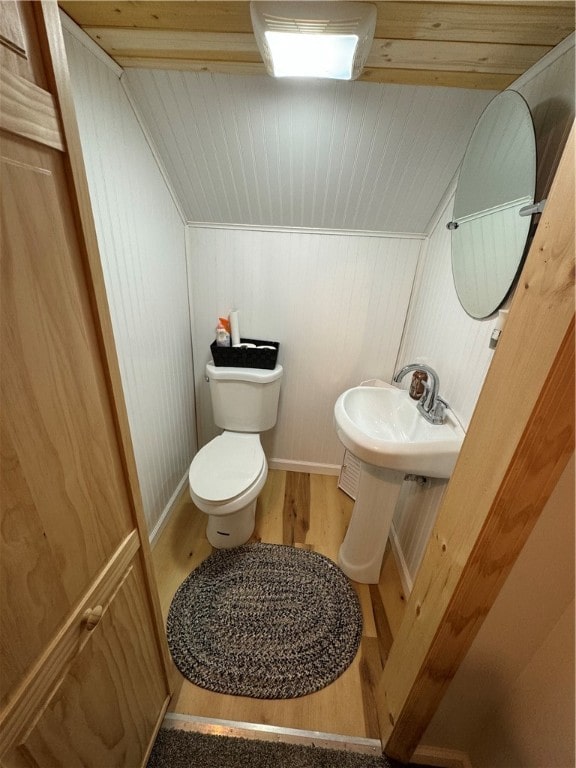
[[227, 466]]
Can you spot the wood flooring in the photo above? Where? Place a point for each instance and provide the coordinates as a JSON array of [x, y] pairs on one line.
[[307, 511]]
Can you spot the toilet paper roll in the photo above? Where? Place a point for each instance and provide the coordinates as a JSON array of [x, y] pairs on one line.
[[234, 328]]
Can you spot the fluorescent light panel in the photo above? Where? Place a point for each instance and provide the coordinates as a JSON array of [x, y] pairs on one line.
[[314, 39], [312, 55]]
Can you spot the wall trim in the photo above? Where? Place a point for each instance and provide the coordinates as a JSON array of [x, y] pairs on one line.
[[559, 50], [304, 466], [70, 26], [440, 757], [403, 570], [414, 291], [443, 204], [154, 534], [148, 138], [308, 230]]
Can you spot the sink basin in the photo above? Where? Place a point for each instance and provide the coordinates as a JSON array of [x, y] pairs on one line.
[[381, 426]]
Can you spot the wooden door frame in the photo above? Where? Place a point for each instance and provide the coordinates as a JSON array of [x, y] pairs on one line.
[[56, 63], [519, 441], [526, 402]]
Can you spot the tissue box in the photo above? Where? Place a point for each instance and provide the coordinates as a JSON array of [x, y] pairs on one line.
[[236, 357]]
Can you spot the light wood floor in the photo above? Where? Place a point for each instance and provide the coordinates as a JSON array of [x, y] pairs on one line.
[[305, 511]]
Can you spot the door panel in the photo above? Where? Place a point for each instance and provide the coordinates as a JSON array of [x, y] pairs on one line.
[[73, 544], [27, 575], [19, 45], [64, 470], [108, 703]]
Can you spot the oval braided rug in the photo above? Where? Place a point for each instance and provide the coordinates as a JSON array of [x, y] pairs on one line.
[[264, 620]]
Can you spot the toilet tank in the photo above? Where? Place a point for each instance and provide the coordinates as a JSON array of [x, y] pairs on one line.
[[244, 399]]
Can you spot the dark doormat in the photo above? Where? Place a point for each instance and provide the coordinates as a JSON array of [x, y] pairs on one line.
[[185, 749], [264, 620]]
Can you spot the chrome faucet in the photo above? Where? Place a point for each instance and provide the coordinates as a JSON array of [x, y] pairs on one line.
[[431, 405]]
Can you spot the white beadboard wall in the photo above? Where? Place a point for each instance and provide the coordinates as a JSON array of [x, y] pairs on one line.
[[414, 518], [316, 154], [438, 331], [549, 92], [336, 303], [142, 245]]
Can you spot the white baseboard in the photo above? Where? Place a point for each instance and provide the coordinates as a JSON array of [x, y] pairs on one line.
[[405, 577], [154, 534], [304, 466], [440, 757]]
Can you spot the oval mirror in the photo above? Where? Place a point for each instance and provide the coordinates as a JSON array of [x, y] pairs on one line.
[[497, 178]]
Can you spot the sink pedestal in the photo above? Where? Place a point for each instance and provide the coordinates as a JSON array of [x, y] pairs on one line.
[[362, 550], [382, 427]]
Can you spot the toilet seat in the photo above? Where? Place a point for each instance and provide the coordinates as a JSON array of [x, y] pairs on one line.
[[227, 472]]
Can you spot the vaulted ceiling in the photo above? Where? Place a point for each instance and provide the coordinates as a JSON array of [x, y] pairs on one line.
[[252, 150], [455, 43], [325, 154]]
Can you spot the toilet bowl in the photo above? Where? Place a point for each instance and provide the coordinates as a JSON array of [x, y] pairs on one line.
[[228, 473], [225, 479]]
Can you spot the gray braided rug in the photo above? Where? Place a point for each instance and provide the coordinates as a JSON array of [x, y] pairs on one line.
[[264, 620]]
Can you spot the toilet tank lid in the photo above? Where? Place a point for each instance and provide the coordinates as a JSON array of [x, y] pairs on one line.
[[258, 375]]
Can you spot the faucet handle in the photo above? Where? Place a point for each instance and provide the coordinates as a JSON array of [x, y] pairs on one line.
[[438, 411]]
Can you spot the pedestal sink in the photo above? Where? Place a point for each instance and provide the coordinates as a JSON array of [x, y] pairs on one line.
[[381, 426]]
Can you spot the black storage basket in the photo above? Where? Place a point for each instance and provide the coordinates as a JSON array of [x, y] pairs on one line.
[[237, 357]]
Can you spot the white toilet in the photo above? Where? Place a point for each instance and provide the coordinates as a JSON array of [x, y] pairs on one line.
[[227, 475]]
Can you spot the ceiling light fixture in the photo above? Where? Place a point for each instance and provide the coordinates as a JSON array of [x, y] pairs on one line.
[[308, 39]]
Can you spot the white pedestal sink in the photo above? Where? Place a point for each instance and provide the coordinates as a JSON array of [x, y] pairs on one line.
[[362, 550], [381, 426]]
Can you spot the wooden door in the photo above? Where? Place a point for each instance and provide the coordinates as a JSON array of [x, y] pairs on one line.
[[71, 535], [103, 711]]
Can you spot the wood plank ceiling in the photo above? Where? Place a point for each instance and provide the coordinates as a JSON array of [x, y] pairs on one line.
[[454, 43]]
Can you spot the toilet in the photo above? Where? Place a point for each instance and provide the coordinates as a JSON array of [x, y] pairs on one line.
[[228, 473]]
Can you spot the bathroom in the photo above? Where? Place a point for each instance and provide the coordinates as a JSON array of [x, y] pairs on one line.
[[199, 211]]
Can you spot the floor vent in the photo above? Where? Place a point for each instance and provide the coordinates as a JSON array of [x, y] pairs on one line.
[[349, 475]]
